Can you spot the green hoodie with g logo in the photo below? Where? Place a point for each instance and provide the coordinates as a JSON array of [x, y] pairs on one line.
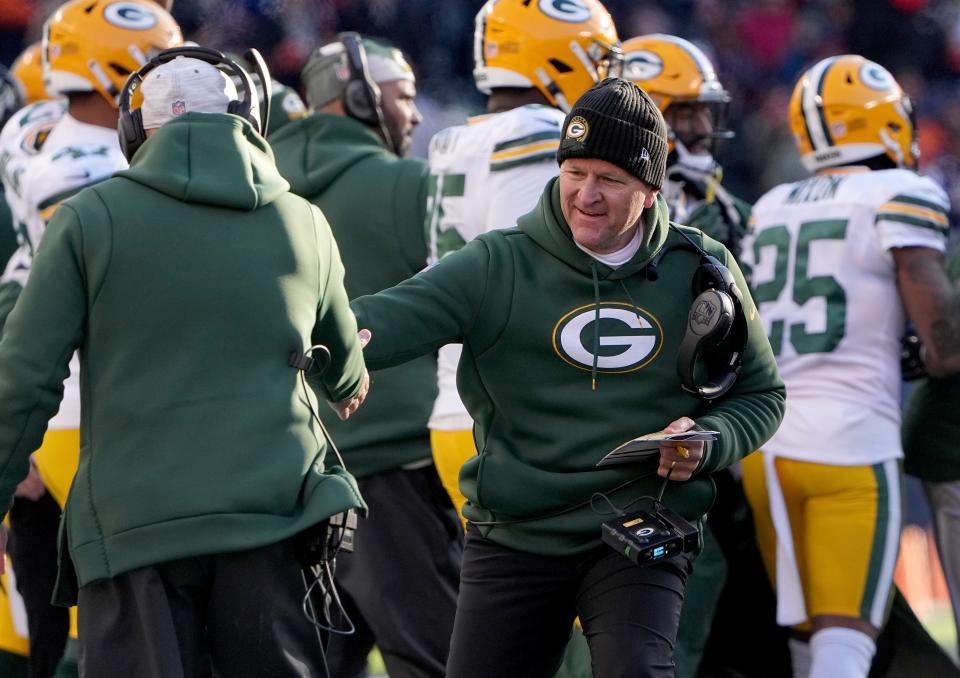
[[565, 358]]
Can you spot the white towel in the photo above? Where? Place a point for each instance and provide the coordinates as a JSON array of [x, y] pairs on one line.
[[791, 609]]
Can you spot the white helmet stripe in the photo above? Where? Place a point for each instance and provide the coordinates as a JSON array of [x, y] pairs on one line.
[[137, 55], [810, 104], [585, 60], [102, 77]]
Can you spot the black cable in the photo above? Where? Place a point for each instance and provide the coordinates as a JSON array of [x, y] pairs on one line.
[[563, 511], [666, 479], [324, 579]]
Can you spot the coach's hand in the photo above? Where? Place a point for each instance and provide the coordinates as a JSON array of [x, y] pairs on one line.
[[683, 458]]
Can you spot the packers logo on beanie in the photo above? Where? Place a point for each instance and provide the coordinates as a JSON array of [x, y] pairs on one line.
[[618, 122]]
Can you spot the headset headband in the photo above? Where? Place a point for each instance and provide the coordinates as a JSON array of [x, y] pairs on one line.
[[130, 124], [361, 96]]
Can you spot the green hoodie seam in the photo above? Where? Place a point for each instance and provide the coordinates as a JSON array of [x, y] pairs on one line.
[[483, 298], [95, 294]]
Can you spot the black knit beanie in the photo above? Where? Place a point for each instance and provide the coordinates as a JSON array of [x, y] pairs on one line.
[[618, 122]]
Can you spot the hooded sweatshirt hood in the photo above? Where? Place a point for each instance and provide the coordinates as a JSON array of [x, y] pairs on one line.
[[547, 226], [315, 151], [209, 159]]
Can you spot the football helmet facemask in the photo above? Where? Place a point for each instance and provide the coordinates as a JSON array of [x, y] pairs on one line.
[[682, 81], [94, 45], [847, 109], [560, 47]]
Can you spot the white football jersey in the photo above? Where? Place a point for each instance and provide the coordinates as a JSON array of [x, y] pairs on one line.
[[825, 286], [22, 140], [485, 174], [73, 156]]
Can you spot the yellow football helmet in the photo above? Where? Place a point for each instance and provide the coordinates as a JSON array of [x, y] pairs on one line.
[[94, 45], [847, 109], [560, 47], [675, 72], [28, 71]]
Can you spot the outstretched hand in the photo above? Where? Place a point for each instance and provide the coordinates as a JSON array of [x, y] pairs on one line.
[[344, 408], [682, 457]]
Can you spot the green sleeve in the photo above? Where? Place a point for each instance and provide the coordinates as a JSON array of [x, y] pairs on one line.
[[41, 334], [9, 293], [435, 307], [750, 413], [336, 327]]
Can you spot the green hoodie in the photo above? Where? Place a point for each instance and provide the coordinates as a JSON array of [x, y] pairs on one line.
[[375, 203], [524, 303], [185, 282]]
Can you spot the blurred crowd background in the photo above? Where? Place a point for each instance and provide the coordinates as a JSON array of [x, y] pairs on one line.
[[759, 47]]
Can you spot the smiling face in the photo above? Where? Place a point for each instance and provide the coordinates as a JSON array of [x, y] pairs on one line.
[[602, 203]]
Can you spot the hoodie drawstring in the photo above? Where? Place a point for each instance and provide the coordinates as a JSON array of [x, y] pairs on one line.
[[632, 302], [596, 325]]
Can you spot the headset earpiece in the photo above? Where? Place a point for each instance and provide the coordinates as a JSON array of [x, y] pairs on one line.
[[716, 332], [360, 102], [361, 96], [130, 122]]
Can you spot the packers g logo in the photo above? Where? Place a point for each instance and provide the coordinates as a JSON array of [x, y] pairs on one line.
[[577, 129], [629, 337], [876, 76], [642, 65], [572, 11], [130, 16]]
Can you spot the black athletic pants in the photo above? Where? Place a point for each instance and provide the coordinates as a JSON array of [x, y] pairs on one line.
[[239, 612], [33, 550], [516, 610], [399, 586]]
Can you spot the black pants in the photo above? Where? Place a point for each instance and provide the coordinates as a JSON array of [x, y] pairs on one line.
[[33, 550], [516, 610], [400, 584], [239, 612]]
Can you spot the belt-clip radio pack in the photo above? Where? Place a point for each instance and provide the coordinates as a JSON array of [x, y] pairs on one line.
[[649, 536]]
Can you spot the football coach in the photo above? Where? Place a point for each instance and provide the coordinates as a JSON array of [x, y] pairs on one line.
[[571, 346]]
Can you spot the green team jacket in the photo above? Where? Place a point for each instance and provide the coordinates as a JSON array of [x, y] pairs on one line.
[[375, 203], [185, 282], [524, 302], [931, 428]]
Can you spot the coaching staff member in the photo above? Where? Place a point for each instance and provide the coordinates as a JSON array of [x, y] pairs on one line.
[[569, 350], [186, 282]]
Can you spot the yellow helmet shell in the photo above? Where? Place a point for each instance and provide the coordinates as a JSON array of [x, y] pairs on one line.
[[94, 45], [560, 47], [847, 109], [27, 70], [671, 69]]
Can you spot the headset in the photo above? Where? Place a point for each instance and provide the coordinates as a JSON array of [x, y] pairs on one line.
[[249, 106], [362, 99], [716, 332]]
